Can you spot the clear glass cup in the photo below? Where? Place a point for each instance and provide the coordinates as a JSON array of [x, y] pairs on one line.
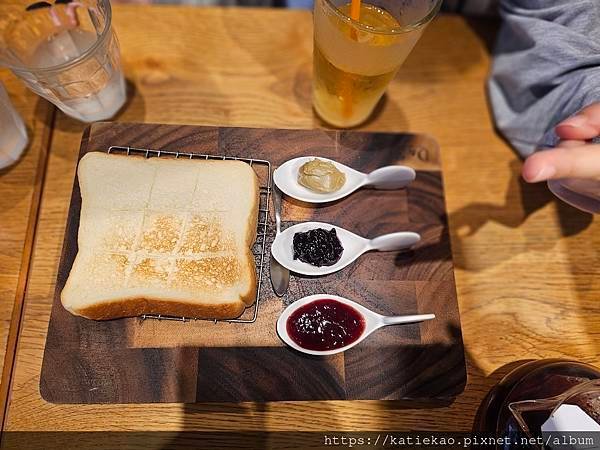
[[580, 193], [354, 61], [67, 53], [13, 134]]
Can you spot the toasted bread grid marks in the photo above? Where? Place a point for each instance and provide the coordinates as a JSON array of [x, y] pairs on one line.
[[136, 241], [155, 255], [205, 233], [139, 252], [149, 271], [182, 232]]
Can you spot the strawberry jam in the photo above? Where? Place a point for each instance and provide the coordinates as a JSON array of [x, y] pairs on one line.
[[325, 324]]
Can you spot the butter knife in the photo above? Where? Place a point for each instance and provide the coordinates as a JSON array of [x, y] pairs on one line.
[[280, 276]]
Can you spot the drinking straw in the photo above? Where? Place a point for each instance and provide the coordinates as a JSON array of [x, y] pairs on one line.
[[354, 15], [346, 85], [355, 10], [346, 95]]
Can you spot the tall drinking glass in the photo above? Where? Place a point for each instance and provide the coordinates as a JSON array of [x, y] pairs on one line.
[[354, 60], [13, 135], [66, 52]]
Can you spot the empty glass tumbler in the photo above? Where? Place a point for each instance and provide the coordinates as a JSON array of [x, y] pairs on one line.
[[67, 53]]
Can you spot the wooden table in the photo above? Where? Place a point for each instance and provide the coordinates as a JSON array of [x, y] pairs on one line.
[[20, 189], [527, 266]]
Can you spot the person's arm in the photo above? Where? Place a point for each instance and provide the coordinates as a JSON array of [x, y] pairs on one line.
[[547, 69]]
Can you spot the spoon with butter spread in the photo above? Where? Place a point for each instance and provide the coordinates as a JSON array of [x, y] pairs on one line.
[[321, 176], [320, 180]]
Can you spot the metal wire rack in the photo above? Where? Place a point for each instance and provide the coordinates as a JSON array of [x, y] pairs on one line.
[[263, 170]]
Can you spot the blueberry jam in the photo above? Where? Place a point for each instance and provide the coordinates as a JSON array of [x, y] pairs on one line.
[[318, 247], [325, 324]]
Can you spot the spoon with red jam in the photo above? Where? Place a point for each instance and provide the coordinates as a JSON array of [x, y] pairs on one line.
[[327, 324], [317, 248]]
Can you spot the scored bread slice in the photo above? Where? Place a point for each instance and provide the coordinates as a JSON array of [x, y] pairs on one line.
[[163, 236]]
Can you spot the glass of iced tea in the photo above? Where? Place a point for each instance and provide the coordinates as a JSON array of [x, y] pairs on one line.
[[358, 48]]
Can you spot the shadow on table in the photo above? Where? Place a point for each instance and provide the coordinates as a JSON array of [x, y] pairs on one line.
[[288, 62], [435, 56], [521, 201], [384, 104], [486, 28]]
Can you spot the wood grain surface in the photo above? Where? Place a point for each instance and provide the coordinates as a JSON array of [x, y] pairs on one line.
[[224, 362], [20, 188], [527, 265]]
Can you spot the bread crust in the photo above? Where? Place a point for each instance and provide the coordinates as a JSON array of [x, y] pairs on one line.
[[137, 306], [250, 297]]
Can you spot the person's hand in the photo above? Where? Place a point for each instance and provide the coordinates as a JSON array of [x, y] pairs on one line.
[[574, 157]]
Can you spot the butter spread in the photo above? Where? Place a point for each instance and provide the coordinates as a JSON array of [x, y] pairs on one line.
[[321, 176]]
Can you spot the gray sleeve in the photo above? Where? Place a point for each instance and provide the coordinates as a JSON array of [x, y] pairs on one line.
[[546, 68]]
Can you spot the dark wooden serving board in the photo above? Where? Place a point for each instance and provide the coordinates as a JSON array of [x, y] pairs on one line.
[[135, 361]]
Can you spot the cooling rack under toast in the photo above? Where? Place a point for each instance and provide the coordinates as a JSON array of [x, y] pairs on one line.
[[263, 171]]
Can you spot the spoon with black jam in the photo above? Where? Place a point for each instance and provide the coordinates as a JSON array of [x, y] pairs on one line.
[[317, 248], [327, 324]]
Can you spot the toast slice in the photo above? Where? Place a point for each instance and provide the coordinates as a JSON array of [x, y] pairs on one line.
[[163, 236]]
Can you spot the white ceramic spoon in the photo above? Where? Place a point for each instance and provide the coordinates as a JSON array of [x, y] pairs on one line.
[[388, 177], [373, 321], [354, 246]]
